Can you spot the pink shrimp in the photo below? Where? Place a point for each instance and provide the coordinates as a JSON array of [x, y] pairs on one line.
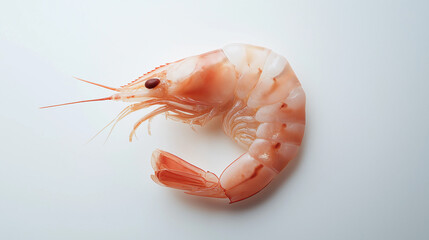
[[259, 98]]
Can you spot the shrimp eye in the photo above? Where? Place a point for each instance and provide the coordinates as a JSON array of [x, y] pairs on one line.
[[151, 83]]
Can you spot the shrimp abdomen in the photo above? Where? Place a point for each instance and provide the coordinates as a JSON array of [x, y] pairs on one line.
[[274, 99], [245, 177]]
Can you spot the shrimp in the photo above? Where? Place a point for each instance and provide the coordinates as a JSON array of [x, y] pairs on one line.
[[255, 92]]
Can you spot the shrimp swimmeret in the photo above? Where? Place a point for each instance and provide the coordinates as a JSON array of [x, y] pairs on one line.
[[256, 93]]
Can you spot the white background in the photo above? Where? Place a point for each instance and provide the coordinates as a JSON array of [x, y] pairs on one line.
[[362, 172]]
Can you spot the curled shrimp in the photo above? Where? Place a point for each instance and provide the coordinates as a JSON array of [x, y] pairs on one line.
[[259, 98]]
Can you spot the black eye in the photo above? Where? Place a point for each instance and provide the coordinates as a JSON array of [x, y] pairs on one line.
[[151, 83]]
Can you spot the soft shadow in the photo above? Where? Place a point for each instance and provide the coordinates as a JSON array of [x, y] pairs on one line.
[[257, 200]]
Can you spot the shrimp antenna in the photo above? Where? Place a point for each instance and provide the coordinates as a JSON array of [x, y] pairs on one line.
[[90, 100], [97, 84]]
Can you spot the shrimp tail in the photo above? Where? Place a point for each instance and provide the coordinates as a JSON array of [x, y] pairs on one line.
[[174, 172]]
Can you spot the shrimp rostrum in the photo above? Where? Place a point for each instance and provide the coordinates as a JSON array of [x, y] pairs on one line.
[[255, 92]]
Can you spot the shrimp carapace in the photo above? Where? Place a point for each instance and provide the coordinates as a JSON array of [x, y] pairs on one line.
[[256, 93]]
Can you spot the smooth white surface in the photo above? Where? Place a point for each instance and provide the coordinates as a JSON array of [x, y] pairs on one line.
[[363, 168]]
